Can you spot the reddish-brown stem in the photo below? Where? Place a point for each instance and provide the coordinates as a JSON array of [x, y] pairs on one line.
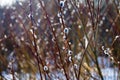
[[82, 58], [54, 37]]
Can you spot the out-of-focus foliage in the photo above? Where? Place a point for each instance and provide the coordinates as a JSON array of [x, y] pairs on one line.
[[59, 39]]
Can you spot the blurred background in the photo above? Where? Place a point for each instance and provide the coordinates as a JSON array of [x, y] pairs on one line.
[[59, 39]]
